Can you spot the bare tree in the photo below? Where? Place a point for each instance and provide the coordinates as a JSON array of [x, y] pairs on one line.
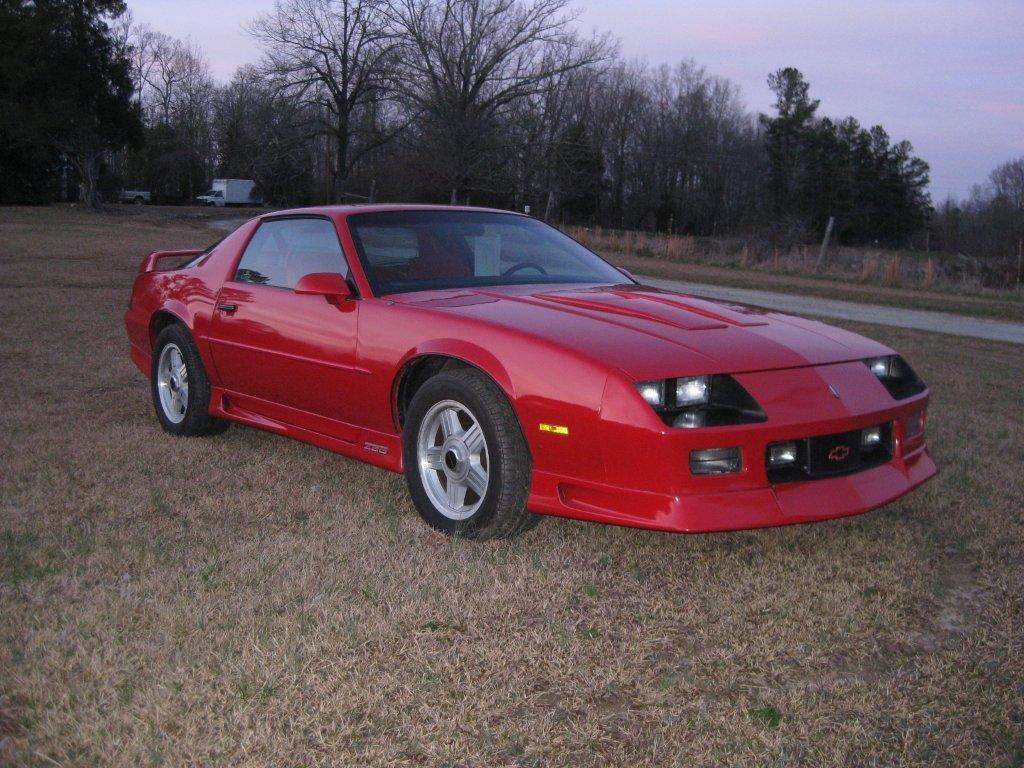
[[466, 62], [1008, 183], [336, 56], [259, 134]]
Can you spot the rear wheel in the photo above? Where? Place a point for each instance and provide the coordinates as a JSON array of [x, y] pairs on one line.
[[180, 387], [466, 462]]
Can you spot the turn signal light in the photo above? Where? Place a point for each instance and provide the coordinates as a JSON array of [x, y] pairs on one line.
[[914, 425]]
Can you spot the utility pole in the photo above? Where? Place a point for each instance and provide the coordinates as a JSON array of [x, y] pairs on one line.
[[824, 243]]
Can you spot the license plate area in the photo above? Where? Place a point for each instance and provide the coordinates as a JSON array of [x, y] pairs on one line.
[[841, 453], [833, 454]]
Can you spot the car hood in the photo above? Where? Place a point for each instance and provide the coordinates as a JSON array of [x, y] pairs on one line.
[[650, 332]]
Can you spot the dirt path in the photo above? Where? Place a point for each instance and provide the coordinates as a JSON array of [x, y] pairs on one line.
[[939, 322]]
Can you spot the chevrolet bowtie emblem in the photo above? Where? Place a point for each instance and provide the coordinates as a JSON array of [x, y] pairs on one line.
[[834, 391]]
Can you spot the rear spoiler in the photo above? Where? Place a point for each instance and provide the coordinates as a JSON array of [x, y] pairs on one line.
[[149, 263]]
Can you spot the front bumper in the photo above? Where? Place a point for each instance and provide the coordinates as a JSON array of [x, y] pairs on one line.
[[645, 480], [783, 504]]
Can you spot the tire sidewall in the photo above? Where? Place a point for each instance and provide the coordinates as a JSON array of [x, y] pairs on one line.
[[443, 387]]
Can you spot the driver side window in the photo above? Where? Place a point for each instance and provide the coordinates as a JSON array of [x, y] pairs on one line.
[[284, 250]]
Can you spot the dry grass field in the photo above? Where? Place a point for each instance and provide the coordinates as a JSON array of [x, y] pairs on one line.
[[246, 600]]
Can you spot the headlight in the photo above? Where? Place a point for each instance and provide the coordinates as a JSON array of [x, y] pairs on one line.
[[896, 376], [653, 392], [700, 401], [692, 391]]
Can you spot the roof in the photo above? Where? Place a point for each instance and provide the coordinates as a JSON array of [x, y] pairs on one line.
[[345, 210]]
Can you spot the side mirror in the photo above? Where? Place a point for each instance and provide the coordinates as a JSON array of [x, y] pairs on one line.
[[331, 285]]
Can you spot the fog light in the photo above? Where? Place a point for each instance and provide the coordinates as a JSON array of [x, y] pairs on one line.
[[715, 461], [781, 454], [870, 437]]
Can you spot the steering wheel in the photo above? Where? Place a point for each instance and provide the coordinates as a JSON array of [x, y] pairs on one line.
[[523, 265]]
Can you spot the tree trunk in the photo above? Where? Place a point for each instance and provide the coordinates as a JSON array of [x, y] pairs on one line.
[[341, 159], [87, 165]]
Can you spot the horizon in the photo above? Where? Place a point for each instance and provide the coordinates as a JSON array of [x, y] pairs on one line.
[[883, 66]]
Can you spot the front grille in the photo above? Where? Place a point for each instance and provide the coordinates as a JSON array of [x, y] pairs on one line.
[[832, 455]]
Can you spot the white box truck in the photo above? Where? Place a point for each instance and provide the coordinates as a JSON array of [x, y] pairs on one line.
[[230, 192]]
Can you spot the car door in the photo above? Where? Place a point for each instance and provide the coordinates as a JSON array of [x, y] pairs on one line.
[[288, 356]]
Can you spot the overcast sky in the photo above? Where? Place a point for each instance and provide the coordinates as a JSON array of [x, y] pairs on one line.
[[948, 76]]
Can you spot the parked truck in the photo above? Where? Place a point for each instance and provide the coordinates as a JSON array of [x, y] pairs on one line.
[[230, 192], [136, 196]]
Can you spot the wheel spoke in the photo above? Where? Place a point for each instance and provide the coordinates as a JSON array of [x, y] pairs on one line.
[[474, 439], [456, 493], [477, 479], [450, 426], [433, 459]]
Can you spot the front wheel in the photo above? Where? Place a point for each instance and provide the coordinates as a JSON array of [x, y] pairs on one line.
[[181, 389], [466, 461]]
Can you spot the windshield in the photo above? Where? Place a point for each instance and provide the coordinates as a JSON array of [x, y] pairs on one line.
[[423, 250]]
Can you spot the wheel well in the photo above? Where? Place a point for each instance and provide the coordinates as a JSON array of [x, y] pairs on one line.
[[158, 322], [415, 374]]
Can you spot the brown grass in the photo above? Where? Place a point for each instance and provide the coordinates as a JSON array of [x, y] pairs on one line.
[[248, 600]]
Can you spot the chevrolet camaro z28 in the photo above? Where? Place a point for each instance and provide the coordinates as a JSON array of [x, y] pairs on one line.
[[507, 370]]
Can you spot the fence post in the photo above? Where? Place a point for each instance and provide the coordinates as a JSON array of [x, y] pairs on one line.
[[824, 244], [1020, 259]]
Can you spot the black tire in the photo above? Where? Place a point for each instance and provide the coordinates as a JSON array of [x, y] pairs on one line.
[[196, 420], [502, 509]]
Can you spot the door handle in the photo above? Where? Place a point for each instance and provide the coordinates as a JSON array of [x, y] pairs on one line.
[[229, 308]]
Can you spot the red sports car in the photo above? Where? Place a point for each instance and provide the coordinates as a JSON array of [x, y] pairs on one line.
[[507, 370]]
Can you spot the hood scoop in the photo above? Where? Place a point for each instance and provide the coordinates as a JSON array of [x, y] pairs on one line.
[[654, 305]]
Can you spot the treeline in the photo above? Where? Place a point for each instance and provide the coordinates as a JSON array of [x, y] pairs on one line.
[[989, 225], [490, 102]]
